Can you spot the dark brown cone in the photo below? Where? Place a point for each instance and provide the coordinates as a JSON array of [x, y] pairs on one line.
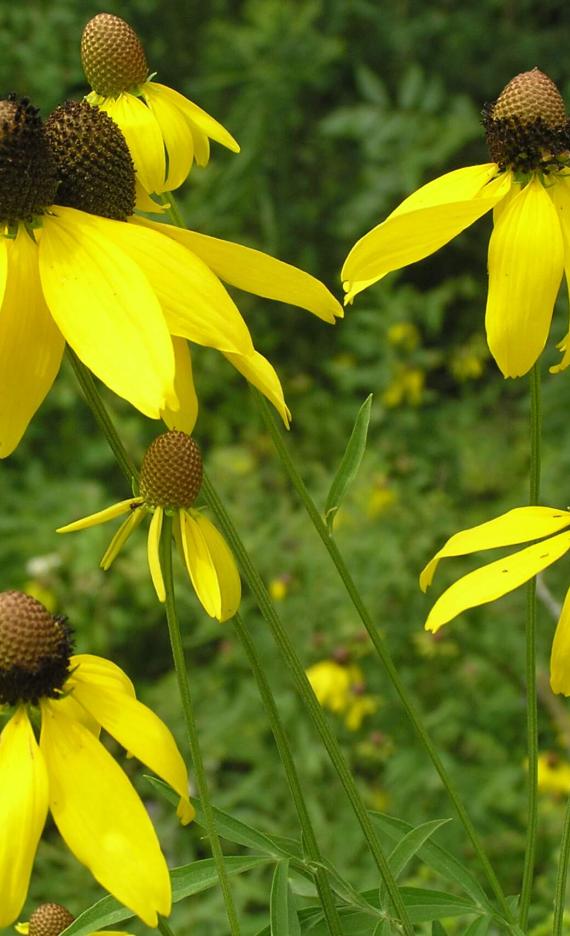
[[28, 175], [94, 164], [171, 472], [49, 919], [112, 56], [35, 647]]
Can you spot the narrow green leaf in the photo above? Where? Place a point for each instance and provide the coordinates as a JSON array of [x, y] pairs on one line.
[[479, 927], [407, 847], [425, 905], [383, 929], [437, 929], [282, 913], [350, 463]]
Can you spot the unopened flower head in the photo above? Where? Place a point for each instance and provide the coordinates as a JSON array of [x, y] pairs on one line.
[[72, 696], [170, 481], [51, 919], [528, 186], [165, 131]]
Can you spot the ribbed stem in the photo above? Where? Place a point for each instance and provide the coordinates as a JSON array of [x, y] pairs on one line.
[[164, 928], [562, 876]]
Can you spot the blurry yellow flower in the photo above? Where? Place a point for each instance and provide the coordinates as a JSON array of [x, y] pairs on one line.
[[553, 774], [404, 335], [165, 132], [340, 689], [380, 499], [42, 594], [407, 387], [467, 363], [278, 587], [171, 477], [51, 919], [521, 525], [93, 804], [528, 185]]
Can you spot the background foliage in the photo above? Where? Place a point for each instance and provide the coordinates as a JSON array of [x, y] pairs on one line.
[[341, 108]]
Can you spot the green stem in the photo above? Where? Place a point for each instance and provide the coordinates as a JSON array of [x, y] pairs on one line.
[[164, 928], [383, 653], [531, 700], [191, 727], [561, 878], [283, 747], [287, 648]]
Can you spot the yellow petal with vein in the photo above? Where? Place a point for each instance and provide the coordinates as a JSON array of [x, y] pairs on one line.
[[153, 553], [200, 565], [496, 579], [183, 419], [229, 581], [526, 260], [176, 133], [196, 116], [101, 516], [101, 818], [560, 654], [259, 372], [517, 526]]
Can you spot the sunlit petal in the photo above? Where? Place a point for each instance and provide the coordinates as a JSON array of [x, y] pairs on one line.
[[200, 565], [262, 375], [143, 201], [101, 516], [229, 582], [101, 817], [196, 116], [153, 553], [560, 195], [176, 133], [517, 526], [560, 654], [23, 811], [526, 260], [183, 419], [98, 671], [496, 579]]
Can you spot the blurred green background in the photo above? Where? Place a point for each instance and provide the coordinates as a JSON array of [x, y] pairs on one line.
[[341, 109]]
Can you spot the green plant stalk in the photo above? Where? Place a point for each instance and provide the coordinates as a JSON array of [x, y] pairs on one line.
[[383, 653], [284, 749], [164, 928], [305, 690], [561, 877], [181, 670], [531, 699]]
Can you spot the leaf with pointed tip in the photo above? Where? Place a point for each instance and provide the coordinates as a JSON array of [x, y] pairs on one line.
[[350, 463]]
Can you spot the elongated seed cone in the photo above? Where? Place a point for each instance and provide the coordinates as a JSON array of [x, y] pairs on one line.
[[112, 56], [171, 472], [530, 96], [49, 919]]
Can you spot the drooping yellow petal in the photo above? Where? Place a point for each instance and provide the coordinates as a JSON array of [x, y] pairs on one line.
[[560, 653], [185, 418], [153, 553], [127, 527], [200, 565], [201, 146], [101, 516], [195, 115], [98, 671], [229, 581], [101, 818], [31, 345], [143, 201], [23, 811], [526, 260], [3, 267], [262, 375], [423, 223], [106, 309], [70, 707], [141, 130], [139, 730], [559, 192], [258, 273], [176, 133], [516, 526], [496, 579]]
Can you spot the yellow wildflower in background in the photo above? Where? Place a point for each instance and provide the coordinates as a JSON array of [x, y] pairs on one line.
[[521, 525], [340, 689], [403, 335], [51, 919], [406, 387], [171, 477], [165, 132], [528, 186], [93, 804], [553, 774]]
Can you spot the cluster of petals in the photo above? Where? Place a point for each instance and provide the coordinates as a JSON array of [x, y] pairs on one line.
[[529, 250], [550, 528], [92, 802]]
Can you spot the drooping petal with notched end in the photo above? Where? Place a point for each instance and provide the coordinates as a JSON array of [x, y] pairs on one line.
[[139, 730], [259, 372], [183, 419], [23, 811], [517, 526], [200, 565], [106, 309], [223, 563], [31, 345], [198, 119], [422, 223], [496, 579], [258, 273], [526, 261], [101, 818], [177, 137], [560, 653], [560, 195]]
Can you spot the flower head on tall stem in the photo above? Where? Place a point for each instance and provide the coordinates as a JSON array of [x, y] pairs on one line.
[[70, 698], [528, 186]]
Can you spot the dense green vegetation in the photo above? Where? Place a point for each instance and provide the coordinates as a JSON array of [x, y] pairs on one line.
[[341, 108]]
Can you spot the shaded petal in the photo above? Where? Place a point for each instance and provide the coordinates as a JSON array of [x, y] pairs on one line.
[[106, 308], [496, 579], [195, 115], [185, 418], [200, 565], [516, 526], [560, 654], [201, 147], [101, 516], [23, 811], [70, 707], [526, 260], [560, 195], [262, 375], [153, 553], [100, 672], [31, 345], [127, 527], [258, 273], [101, 818], [142, 132], [140, 731], [176, 133], [144, 202], [423, 223], [229, 581]]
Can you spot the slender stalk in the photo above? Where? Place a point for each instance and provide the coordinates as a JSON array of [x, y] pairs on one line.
[[383, 653], [283, 747], [191, 727], [304, 688], [531, 698], [164, 928], [561, 878]]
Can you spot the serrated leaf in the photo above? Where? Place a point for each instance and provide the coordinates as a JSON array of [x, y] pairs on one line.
[[283, 915], [350, 463]]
